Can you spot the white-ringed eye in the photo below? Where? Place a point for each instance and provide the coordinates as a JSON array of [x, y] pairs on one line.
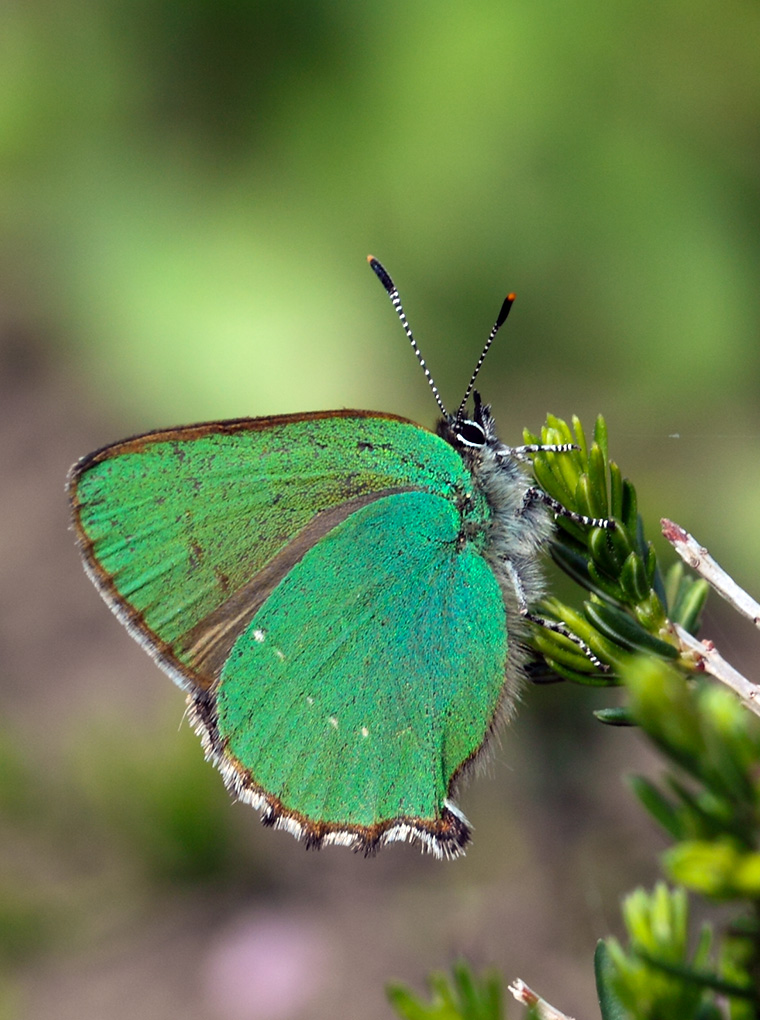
[[469, 433]]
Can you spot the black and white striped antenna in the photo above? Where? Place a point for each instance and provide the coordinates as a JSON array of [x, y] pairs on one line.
[[390, 286], [384, 277], [501, 319]]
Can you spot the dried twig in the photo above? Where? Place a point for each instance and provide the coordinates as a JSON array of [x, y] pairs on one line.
[[528, 997], [711, 661], [705, 653], [699, 559]]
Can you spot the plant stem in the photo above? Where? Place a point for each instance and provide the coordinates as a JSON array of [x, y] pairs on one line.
[[711, 661], [700, 560], [528, 997]]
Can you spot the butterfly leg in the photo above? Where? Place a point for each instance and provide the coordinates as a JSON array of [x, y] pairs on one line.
[[535, 495], [553, 625], [523, 453]]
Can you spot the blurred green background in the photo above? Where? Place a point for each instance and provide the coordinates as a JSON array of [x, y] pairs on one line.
[[189, 191]]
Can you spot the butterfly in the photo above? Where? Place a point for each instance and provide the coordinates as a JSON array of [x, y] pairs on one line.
[[342, 595]]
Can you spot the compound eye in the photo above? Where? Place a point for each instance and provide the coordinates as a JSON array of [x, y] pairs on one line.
[[470, 433]]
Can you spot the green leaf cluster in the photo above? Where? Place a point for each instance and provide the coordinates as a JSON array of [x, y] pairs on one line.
[[459, 996], [659, 975], [630, 606], [709, 804], [709, 799]]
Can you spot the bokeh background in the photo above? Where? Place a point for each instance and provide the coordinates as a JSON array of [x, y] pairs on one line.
[[188, 192]]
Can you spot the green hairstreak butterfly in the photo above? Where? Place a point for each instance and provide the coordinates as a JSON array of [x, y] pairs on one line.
[[341, 594]]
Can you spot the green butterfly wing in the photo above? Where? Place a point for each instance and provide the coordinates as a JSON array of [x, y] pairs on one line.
[[317, 584]]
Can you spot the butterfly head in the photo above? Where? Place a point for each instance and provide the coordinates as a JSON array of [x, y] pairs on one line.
[[469, 434]]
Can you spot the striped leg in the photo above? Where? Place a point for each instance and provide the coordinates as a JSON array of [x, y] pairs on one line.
[[553, 625]]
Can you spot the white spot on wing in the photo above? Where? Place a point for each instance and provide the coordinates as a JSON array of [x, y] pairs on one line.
[[259, 635], [333, 721], [365, 731]]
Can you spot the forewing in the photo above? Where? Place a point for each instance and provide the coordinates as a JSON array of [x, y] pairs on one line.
[[187, 532], [366, 681]]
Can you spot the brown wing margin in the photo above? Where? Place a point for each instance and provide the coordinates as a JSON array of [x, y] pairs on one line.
[[185, 433]]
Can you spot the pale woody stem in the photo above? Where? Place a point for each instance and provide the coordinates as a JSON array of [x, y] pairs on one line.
[[528, 997], [699, 559], [705, 652], [710, 659]]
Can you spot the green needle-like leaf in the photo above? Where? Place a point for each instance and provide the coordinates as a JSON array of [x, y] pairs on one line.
[[610, 1005], [619, 716], [625, 631], [658, 806]]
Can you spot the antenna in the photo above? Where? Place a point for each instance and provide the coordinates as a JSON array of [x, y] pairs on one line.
[[501, 319], [390, 286]]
